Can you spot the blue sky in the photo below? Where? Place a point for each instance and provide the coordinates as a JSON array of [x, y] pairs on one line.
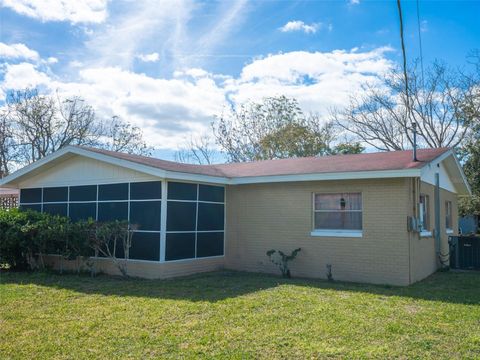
[[170, 66]]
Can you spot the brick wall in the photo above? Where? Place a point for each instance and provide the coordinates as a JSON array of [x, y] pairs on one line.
[[279, 216], [424, 256]]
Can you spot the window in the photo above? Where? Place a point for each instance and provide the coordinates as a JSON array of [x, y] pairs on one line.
[[341, 212], [424, 212], [448, 216]]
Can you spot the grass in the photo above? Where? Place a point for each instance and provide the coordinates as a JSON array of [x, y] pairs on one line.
[[236, 315]]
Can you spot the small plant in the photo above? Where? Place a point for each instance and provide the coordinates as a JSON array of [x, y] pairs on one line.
[[282, 260], [111, 237], [329, 273]]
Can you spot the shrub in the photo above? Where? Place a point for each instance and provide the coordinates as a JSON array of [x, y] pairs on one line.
[[111, 237], [282, 260], [26, 236]]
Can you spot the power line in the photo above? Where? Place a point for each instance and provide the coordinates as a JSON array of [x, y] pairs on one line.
[[404, 57], [420, 42]]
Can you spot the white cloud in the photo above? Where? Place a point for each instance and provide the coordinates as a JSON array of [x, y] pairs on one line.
[[169, 110], [52, 60], [318, 80], [23, 75], [17, 51], [127, 34], [74, 11], [153, 57], [354, 2], [301, 26]]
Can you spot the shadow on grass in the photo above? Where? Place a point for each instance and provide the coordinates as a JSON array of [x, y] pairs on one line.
[[452, 287]]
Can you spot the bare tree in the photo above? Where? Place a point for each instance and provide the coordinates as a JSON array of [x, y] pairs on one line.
[[383, 116], [8, 147], [33, 125], [198, 150], [118, 135]]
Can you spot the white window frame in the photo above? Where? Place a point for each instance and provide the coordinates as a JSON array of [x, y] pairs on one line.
[[449, 206], [343, 233], [424, 208]]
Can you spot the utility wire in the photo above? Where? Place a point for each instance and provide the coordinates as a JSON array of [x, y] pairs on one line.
[[420, 42], [405, 76]]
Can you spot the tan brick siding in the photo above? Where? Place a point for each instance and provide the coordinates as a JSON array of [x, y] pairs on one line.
[[146, 269], [424, 257], [279, 216]]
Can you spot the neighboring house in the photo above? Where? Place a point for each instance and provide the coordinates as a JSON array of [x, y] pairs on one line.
[[373, 217], [8, 198], [6, 191]]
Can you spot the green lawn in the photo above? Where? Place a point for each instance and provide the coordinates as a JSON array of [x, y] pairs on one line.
[[236, 315]]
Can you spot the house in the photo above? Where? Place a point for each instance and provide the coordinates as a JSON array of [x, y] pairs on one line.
[[376, 217]]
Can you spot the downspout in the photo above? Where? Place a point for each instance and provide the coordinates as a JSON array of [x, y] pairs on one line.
[[437, 215]]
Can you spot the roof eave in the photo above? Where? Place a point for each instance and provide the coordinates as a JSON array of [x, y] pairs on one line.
[[12, 180], [351, 175]]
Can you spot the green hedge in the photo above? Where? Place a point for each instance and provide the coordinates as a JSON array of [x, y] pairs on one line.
[[25, 236]]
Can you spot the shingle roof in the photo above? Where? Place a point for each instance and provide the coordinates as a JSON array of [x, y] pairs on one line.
[[380, 161]]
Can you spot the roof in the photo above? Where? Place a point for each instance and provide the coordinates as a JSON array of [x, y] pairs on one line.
[[380, 161], [6, 191], [393, 164]]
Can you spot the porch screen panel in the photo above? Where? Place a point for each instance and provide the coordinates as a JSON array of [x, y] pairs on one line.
[[195, 221], [56, 209], [34, 207], [31, 196], [111, 211], [82, 211], [145, 215], [55, 194], [145, 246], [83, 193], [113, 192]]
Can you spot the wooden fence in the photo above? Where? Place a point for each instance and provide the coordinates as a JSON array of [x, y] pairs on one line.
[[9, 201]]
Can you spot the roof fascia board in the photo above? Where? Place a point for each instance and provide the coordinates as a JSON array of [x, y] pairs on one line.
[[462, 174], [383, 174], [33, 166], [164, 174], [459, 168]]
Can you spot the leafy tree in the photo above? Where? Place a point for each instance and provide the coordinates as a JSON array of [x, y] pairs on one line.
[[273, 129], [470, 154], [294, 140], [469, 205], [348, 148]]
